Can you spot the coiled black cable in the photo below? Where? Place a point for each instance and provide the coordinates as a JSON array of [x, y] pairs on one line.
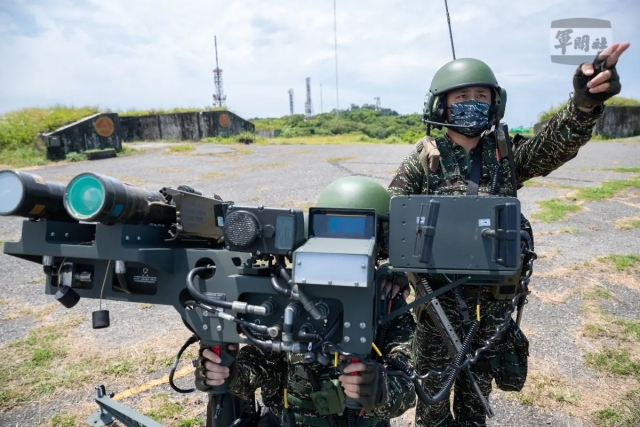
[[494, 181], [192, 340], [500, 330], [351, 417]]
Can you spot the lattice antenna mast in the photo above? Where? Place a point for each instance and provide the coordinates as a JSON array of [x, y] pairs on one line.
[[321, 107], [218, 98], [291, 102], [308, 106], [377, 99]]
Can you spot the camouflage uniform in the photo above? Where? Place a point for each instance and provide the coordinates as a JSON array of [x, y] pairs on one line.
[[545, 152], [272, 372]]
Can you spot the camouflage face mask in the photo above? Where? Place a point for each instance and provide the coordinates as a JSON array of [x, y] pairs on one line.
[[470, 113]]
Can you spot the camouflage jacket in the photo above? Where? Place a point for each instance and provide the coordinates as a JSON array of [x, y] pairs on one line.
[[272, 372], [566, 132]]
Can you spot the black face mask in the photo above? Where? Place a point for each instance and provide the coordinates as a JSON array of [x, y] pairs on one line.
[[470, 113]]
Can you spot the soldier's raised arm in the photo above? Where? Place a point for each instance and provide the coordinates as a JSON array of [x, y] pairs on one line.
[[571, 127]]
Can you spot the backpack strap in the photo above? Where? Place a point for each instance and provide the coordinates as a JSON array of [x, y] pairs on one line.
[[476, 169], [428, 154]]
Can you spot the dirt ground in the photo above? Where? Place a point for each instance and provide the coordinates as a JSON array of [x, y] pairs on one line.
[[581, 319]]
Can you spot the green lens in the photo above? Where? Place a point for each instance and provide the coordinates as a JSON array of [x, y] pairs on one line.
[[85, 196]]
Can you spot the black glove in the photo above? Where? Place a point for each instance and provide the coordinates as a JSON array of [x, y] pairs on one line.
[[371, 388], [581, 95]]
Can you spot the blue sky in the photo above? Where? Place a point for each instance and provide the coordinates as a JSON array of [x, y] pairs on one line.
[[160, 54]]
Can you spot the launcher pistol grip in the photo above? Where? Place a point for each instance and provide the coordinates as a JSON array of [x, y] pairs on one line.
[[228, 357]]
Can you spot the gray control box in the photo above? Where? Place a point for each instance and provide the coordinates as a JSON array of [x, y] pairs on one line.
[[455, 234]]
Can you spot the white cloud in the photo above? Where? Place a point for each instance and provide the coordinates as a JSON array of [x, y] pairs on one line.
[[160, 54]]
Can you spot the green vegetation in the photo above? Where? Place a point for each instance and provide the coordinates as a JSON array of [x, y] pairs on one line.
[[20, 128], [597, 293], [165, 411], [624, 413], [635, 169], [557, 208], [181, 148], [622, 262], [365, 120], [137, 113], [613, 361], [554, 210], [618, 101], [339, 159], [607, 189]]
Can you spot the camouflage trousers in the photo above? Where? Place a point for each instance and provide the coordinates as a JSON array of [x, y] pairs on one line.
[[431, 353]]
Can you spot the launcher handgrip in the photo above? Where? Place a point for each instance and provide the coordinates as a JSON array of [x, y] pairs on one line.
[[220, 349], [348, 401]]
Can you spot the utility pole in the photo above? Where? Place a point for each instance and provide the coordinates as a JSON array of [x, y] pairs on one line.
[[308, 106], [291, 102]]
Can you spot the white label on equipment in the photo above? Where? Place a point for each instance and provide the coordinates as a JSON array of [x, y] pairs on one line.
[[484, 222]]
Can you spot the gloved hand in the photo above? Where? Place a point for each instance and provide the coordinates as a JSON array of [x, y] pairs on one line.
[[596, 82], [368, 388], [209, 372]]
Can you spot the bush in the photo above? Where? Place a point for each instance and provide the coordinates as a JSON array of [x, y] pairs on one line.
[[21, 127], [366, 120], [245, 137], [75, 157], [617, 101]]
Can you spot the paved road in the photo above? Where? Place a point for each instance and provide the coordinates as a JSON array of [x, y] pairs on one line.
[[295, 176]]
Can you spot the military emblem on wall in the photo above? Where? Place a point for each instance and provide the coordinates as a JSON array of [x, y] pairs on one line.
[[104, 126], [224, 120]]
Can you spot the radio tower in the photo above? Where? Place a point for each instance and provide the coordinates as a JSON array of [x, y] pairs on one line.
[[291, 102], [377, 98], [218, 97], [308, 106]]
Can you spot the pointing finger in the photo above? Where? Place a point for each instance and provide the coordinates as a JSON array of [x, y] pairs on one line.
[[613, 59], [608, 51]]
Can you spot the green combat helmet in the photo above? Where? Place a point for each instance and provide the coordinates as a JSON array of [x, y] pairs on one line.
[[457, 74], [357, 192]]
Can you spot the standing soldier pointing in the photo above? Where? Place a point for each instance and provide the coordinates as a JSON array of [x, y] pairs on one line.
[[471, 158]]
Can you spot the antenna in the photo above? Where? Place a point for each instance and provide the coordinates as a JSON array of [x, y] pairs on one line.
[[291, 101], [321, 109], [335, 34], [218, 97], [450, 34], [377, 99], [308, 106]]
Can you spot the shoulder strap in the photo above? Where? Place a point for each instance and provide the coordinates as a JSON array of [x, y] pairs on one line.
[[476, 169], [505, 139], [428, 154]]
